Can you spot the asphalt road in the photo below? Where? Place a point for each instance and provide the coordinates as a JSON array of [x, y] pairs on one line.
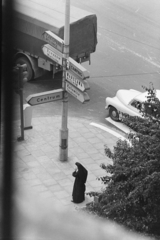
[[127, 56]]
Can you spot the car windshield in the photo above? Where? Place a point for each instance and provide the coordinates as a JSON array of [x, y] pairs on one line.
[[136, 104]]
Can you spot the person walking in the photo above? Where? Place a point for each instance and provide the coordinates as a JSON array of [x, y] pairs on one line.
[[80, 174]]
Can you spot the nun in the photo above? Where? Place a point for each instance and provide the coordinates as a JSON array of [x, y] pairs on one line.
[[80, 174]]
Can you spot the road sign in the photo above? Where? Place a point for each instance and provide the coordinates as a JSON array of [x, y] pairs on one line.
[[76, 81], [53, 40], [45, 97], [81, 96], [52, 53], [78, 69]]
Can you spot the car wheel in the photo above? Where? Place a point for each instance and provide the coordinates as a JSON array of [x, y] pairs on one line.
[[23, 60], [113, 113]]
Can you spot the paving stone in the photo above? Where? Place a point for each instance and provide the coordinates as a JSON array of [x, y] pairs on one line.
[[43, 176], [69, 188], [88, 135], [46, 148], [59, 176], [31, 147], [28, 158], [74, 134], [21, 182], [61, 194], [91, 150], [85, 146], [91, 177], [55, 188], [64, 182], [92, 166], [95, 156], [37, 153], [66, 201], [46, 194], [52, 153], [34, 182], [22, 153], [39, 170], [86, 161], [99, 172], [29, 175], [95, 183], [43, 159], [82, 155], [18, 147], [67, 171], [39, 188], [17, 175], [72, 144], [80, 140], [18, 164], [53, 171], [94, 140], [33, 164], [49, 182]]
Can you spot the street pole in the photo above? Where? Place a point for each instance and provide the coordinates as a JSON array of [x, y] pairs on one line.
[[64, 129], [20, 74]]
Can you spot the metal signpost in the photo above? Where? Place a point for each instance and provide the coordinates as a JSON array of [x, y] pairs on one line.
[[81, 96], [54, 40], [76, 81], [52, 53], [78, 69], [45, 97], [73, 80]]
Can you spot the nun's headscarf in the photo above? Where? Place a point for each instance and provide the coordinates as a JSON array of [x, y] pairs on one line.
[[82, 172]]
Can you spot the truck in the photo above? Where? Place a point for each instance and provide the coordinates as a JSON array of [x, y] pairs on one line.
[[33, 17]]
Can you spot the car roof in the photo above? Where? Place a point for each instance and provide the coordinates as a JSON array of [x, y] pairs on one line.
[[142, 97]]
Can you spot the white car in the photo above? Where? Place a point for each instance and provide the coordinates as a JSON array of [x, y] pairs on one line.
[[129, 102]]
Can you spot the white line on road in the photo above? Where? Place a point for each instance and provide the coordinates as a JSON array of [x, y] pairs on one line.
[[108, 130], [120, 125]]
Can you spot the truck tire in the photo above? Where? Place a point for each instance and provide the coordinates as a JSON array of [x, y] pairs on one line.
[[24, 60], [113, 113]]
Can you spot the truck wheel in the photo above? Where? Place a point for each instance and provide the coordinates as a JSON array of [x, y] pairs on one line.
[[23, 60], [113, 113]]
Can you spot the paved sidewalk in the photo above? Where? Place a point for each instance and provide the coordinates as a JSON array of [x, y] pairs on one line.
[[36, 159]]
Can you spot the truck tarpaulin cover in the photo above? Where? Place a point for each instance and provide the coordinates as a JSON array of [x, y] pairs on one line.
[[33, 17]]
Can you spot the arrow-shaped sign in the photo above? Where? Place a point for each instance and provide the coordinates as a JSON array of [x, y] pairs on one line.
[[76, 81], [81, 96], [52, 53], [53, 40], [78, 69], [44, 97]]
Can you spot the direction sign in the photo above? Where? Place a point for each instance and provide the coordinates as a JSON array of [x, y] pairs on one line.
[[78, 69], [76, 81], [81, 96], [53, 40], [52, 53], [45, 97]]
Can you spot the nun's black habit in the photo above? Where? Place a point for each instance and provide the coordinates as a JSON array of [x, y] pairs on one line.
[[79, 187]]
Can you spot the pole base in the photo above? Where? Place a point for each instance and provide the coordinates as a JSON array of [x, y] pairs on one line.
[[63, 154], [26, 128], [19, 139]]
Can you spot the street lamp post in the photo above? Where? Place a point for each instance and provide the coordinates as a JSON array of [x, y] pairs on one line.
[[64, 129]]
